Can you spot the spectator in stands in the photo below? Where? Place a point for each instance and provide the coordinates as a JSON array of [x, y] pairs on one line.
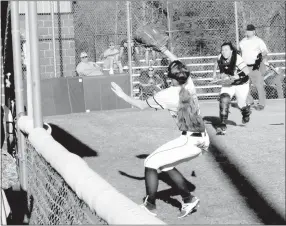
[[165, 62], [124, 52], [150, 56], [274, 77], [87, 68], [150, 82], [111, 58]]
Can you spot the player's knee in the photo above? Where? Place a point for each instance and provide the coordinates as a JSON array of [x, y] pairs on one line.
[[241, 103], [166, 169], [150, 163]]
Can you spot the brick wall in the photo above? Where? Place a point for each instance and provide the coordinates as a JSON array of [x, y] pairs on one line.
[[65, 44]]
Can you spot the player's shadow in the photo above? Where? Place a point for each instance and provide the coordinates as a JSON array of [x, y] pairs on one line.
[[164, 195], [19, 209], [215, 121], [71, 143], [245, 186], [142, 156]]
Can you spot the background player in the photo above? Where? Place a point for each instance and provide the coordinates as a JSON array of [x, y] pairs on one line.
[[181, 100], [232, 66], [254, 51]]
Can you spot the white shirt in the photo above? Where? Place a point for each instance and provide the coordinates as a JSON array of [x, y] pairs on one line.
[[169, 98], [88, 69], [108, 55], [250, 48]]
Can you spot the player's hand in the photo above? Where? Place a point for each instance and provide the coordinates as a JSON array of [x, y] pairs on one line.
[[117, 90]]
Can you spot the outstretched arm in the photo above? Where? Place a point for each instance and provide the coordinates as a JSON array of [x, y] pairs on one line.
[[120, 93], [167, 53]]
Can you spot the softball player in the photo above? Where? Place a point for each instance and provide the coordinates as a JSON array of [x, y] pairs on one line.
[[181, 101], [232, 65]]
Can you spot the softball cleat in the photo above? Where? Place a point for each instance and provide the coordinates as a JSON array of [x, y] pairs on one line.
[[189, 208], [149, 207]]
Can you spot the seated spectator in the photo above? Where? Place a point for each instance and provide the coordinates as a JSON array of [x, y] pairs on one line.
[[150, 56], [164, 61], [274, 77], [111, 58], [87, 68], [124, 52], [163, 72], [150, 83]]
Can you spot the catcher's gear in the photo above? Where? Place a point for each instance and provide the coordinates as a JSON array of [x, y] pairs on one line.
[[257, 63], [225, 66], [223, 79], [224, 103], [150, 36], [245, 111]]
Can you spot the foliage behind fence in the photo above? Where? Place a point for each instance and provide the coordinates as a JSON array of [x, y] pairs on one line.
[[195, 28]]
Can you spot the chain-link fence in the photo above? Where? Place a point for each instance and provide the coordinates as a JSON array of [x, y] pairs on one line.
[[196, 30], [269, 20]]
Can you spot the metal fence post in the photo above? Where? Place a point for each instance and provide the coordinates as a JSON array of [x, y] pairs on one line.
[[169, 27], [35, 66], [28, 65], [236, 25], [53, 37], [18, 89], [129, 46]]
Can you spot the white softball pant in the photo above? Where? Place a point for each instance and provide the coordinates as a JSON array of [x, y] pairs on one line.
[[240, 91], [177, 151]]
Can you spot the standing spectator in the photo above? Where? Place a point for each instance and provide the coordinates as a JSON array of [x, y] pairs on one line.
[[86, 67], [111, 58], [124, 52], [254, 51]]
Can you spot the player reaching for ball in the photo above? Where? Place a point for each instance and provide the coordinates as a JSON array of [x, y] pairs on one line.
[[181, 101], [235, 81]]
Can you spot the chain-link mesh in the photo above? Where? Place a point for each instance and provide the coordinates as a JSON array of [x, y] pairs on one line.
[[269, 20], [199, 28], [50, 200], [97, 24], [149, 73], [196, 30]]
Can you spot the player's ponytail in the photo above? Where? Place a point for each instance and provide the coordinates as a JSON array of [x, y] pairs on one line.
[[188, 111]]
